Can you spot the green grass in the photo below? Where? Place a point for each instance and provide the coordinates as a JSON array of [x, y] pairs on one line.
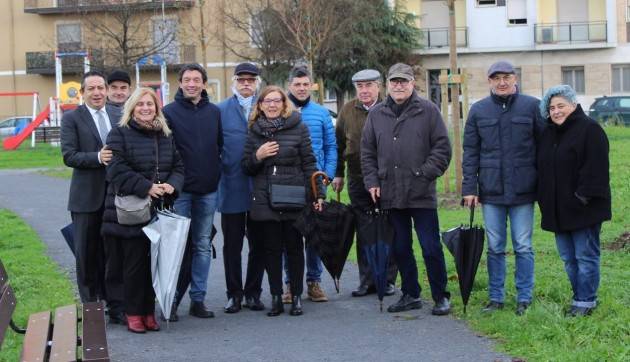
[[43, 155], [37, 281], [543, 333]]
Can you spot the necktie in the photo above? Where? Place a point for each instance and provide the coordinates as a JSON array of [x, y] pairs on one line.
[[102, 126]]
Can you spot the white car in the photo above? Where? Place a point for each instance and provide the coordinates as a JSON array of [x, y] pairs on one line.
[[13, 125]]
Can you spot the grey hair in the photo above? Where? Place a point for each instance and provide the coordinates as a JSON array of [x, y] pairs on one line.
[[563, 90]]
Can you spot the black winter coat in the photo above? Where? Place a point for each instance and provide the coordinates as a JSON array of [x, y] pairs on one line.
[[499, 163], [132, 171], [294, 164], [573, 159]]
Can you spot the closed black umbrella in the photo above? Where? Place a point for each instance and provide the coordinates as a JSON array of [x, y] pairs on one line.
[[68, 235], [330, 231], [465, 243], [378, 235]]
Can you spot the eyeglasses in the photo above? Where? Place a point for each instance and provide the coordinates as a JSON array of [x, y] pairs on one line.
[[399, 81], [246, 80], [502, 78], [270, 101]]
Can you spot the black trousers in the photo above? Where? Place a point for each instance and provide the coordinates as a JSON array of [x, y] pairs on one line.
[[89, 255], [138, 289], [276, 237], [361, 202], [114, 287], [235, 227]]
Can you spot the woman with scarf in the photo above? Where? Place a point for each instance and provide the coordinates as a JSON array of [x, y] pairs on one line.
[[574, 190], [279, 156], [145, 163]]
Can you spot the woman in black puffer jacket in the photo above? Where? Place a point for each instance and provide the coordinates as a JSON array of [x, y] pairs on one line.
[[145, 162], [278, 151]]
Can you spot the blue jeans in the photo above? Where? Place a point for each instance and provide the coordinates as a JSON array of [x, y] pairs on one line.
[[200, 209], [314, 267], [521, 225], [425, 221], [579, 249]]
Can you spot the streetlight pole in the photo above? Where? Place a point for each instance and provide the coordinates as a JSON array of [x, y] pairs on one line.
[[454, 85]]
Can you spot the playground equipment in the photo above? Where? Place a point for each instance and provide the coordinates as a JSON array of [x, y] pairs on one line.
[[59, 70], [162, 87], [35, 96]]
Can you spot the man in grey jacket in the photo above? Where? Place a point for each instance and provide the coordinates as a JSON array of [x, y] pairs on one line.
[[499, 169], [404, 148]]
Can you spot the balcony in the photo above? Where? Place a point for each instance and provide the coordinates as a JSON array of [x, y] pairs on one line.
[[571, 33], [439, 37], [74, 6], [44, 62]]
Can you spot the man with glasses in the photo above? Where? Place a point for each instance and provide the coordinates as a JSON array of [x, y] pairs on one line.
[[235, 194], [499, 169], [348, 129], [404, 149]]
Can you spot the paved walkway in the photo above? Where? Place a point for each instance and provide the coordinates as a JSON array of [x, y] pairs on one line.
[[344, 329]]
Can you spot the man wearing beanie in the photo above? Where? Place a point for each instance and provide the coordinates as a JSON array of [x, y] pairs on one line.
[[234, 195], [118, 87]]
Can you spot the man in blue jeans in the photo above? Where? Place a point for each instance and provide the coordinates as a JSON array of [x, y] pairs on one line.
[[196, 125], [499, 169], [324, 142]]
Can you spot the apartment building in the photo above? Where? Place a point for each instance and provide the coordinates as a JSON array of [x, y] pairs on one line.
[[34, 30], [583, 43]]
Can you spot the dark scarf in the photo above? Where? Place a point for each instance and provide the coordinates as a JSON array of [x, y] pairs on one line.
[[298, 103], [398, 109], [152, 125], [270, 126]]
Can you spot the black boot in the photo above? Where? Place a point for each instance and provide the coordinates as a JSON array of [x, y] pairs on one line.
[[296, 305], [276, 306]]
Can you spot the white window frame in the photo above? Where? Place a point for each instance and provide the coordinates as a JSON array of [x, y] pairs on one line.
[[624, 67], [175, 43], [217, 83], [66, 23], [507, 12], [572, 83], [485, 5]]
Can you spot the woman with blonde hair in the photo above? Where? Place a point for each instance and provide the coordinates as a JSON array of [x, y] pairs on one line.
[[279, 156], [145, 163]]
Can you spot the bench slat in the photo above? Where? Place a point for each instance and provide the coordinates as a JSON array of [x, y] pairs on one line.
[[7, 306], [36, 339], [94, 343], [64, 342]]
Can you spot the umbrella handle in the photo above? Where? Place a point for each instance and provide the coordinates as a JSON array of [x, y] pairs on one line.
[[325, 181], [472, 215]]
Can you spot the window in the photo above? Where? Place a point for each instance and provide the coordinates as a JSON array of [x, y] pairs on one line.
[[517, 12], [621, 78], [69, 37], [574, 76], [518, 72], [486, 2]]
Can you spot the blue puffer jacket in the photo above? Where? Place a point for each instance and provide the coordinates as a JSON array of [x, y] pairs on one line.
[[235, 187], [323, 139], [499, 163]]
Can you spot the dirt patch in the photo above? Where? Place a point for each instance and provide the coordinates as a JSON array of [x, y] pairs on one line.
[[621, 243]]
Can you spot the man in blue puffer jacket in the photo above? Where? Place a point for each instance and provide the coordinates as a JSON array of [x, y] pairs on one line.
[[499, 168], [324, 143]]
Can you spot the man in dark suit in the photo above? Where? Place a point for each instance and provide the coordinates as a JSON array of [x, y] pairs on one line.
[[83, 134]]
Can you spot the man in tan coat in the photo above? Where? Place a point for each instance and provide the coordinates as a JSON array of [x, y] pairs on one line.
[[348, 132]]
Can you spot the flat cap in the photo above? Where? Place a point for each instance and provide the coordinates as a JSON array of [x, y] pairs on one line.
[[400, 70], [118, 75], [501, 66], [366, 75], [247, 68]]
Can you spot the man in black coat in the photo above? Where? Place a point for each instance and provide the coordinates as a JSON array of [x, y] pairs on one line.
[[83, 135]]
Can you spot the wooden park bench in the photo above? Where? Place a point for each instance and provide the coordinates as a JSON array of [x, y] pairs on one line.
[[59, 338]]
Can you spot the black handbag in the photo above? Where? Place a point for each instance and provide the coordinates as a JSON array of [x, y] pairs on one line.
[[287, 197]]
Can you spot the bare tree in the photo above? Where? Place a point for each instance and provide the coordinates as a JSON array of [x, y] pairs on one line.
[[126, 34]]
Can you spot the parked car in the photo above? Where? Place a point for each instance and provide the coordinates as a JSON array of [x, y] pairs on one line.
[[13, 125], [614, 110]]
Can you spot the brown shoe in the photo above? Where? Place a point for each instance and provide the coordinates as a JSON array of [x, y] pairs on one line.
[[287, 298], [315, 292]]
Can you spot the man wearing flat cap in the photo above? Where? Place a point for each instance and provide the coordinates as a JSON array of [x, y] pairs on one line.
[[499, 169], [234, 195], [350, 123], [404, 149], [118, 87]]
